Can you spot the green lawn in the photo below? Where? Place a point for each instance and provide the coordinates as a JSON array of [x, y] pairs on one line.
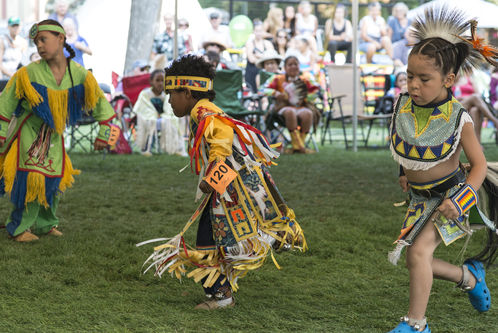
[[90, 279]]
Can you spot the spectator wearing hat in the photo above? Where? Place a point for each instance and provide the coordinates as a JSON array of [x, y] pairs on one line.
[[139, 67], [269, 63], [12, 48], [164, 43], [216, 31], [78, 43], [62, 12]]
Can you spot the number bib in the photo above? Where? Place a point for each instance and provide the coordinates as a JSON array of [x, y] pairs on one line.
[[220, 176]]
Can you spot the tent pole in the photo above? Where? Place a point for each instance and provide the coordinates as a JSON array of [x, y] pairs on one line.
[[355, 74], [175, 48]]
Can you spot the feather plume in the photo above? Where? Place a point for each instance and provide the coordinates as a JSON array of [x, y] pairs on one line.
[[451, 24]]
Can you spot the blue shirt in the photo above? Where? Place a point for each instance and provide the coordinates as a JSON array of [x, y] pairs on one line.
[[79, 54]]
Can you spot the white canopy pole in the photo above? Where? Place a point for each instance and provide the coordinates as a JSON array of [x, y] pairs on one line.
[[175, 49], [355, 72]]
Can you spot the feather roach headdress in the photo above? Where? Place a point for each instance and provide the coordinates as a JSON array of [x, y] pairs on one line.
[[451, 25]]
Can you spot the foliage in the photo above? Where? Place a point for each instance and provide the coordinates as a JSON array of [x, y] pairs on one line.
[[73, 5], [90, 279]]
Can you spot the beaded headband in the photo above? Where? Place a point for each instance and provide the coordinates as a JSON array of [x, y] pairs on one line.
[[197, 83], [36, 28]]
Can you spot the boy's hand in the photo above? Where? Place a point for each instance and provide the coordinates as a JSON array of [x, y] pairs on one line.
[[2, 141], [99, 145], [205, 187], [448, 209], [403, 182], [279, 96]]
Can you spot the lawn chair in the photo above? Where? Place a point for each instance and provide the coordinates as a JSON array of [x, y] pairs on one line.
[[228, 87], [84, 132], [123, 103], [340, 81]]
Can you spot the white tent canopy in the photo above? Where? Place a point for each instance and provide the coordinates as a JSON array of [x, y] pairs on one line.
[[485, 12]]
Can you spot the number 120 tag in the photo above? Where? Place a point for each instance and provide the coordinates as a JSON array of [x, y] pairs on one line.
[[220, 176]]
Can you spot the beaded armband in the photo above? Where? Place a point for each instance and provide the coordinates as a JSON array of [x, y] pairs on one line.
[[464, 199]]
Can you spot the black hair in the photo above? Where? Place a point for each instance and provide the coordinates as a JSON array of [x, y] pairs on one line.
[[155, 72], [68, 48], [449, 57], [192, 65], [213, 58], [289, 58]]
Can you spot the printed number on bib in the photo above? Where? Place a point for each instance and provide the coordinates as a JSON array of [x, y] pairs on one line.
[[220, 176]]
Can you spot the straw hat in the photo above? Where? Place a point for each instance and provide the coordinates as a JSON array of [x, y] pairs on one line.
[[214, 40], [268, 55]]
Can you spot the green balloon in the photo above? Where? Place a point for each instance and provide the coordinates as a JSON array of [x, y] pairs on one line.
[[240, 29]]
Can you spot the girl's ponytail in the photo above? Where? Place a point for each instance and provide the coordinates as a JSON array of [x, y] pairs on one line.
[[72, 54]]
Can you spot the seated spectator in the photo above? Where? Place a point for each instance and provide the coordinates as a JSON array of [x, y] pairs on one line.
[[61, 13], [216, 31], [373, 31], [12, 48], [398, 22], [281, 42], [290, 91], [339, 33], [78, 43], [306, 23], [493, 88], [213, 58], [155, 114], [183, 26], [164, 42], [473, 102], [273, 23], [402, 48], [400, 85], [217, 46], [290, 21], [255, 47], [304, 53], [269, 64]]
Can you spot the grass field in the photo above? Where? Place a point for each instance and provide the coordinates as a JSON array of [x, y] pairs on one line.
[[90, 279]]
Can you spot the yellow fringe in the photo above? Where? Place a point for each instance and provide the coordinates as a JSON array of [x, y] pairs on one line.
[[57, 101], [68, 179], [35, 189], [10, 167], [25, 89], [92, 91]]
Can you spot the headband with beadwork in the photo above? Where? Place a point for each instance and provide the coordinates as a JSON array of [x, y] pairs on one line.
[[197, 83], [36, 28]]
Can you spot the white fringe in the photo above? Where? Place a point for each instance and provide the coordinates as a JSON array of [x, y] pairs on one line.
[[418, 165], [395, 254]]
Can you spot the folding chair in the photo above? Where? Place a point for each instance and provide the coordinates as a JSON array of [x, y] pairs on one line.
[[340, 82], [84, 132], [228, 87]]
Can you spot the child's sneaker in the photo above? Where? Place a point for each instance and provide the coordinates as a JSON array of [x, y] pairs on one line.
[[405, 327]]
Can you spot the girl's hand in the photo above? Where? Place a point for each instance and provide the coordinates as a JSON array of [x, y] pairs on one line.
[[403, 182], [2, 141], [281, 96], [99, 145], [205, 187], [448, 209]]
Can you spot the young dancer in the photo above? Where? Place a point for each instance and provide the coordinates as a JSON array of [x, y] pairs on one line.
[[35, 107], [239, 225], [429, 131]]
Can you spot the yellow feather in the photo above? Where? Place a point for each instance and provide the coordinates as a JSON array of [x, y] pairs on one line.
[[57, 100]]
